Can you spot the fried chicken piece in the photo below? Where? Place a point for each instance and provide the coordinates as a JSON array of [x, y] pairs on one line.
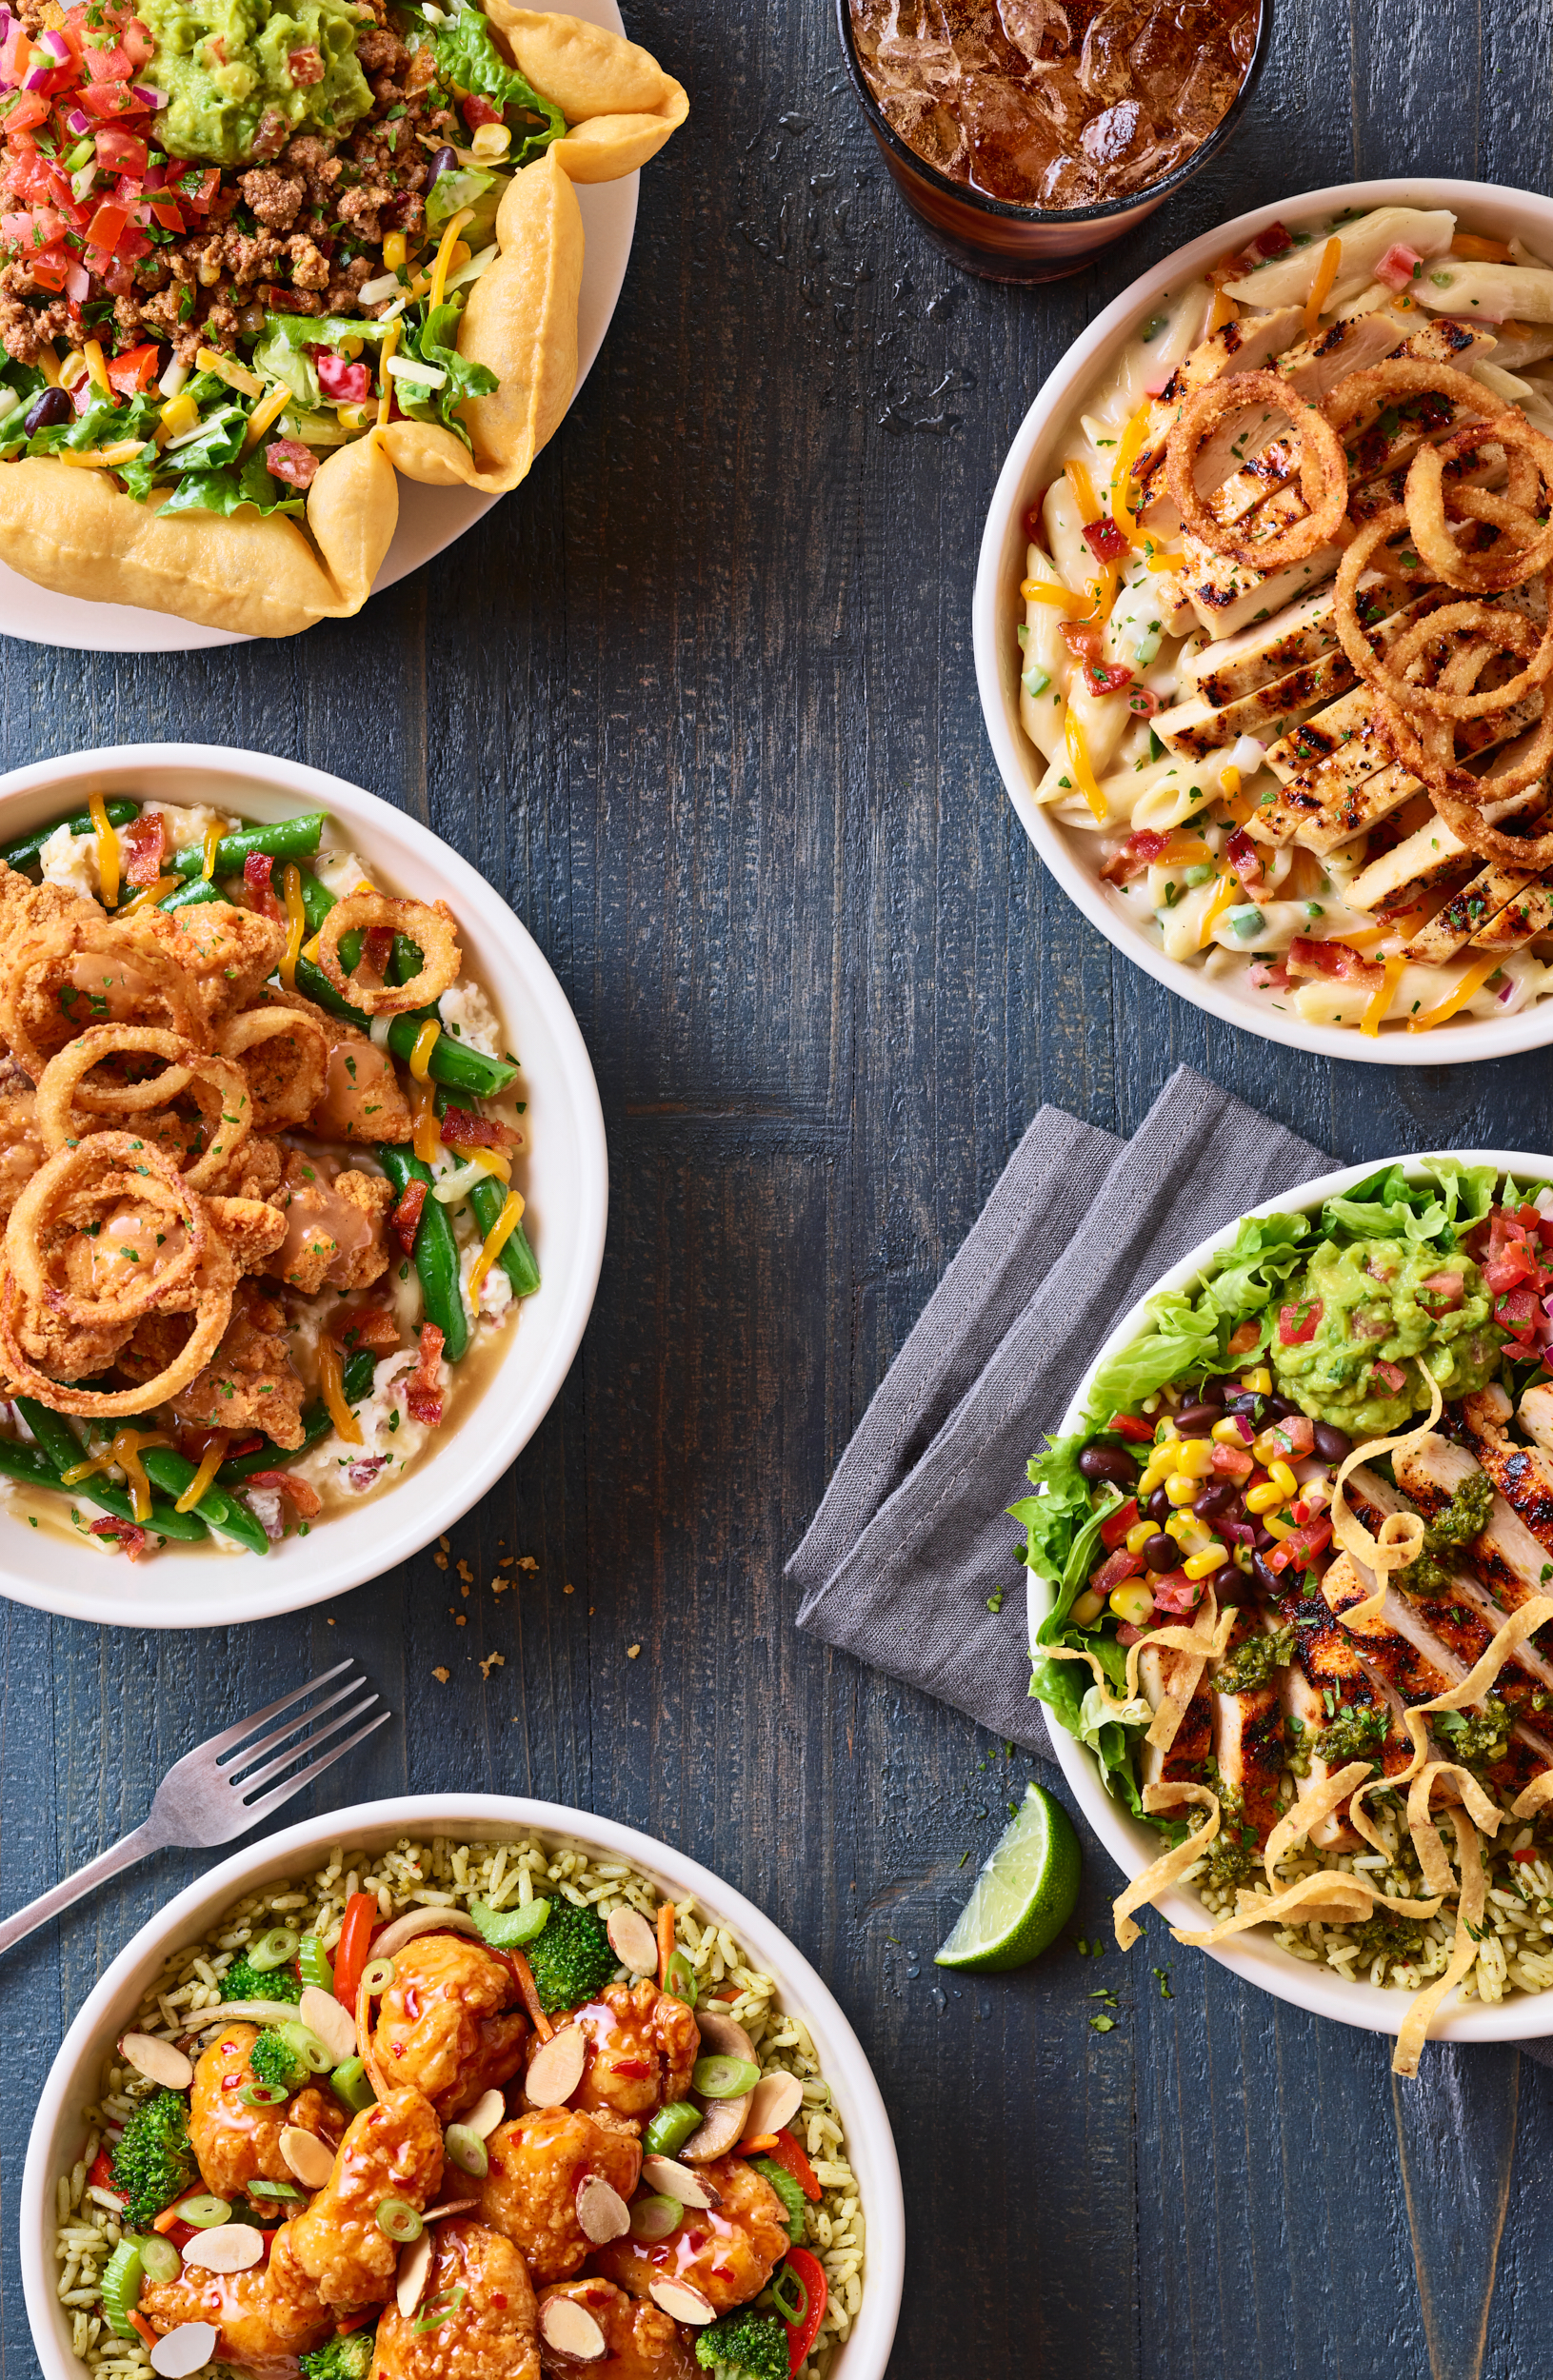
[[641, 2341], [249, 1384], [267, 2317], [531, 2190], [362, 1100], [24, 907], [728, 2251], [392, 2150], [491, 2324], [448, 2024], [225, 952], [254, 1173], [249, 1227], [236, 2144], [21, 1146], [642, 2045], [334, 1226]]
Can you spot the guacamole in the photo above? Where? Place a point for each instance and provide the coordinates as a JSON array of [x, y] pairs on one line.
[[1371, 1305], [225, 64]]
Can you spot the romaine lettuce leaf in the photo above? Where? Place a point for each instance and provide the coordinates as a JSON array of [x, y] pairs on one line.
[[467, 55], [433, 342], [466, 186], [228, 491]]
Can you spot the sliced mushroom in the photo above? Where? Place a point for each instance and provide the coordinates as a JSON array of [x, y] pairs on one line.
[[486, 2115], [414, 2272], [245, 2013], [334, 2025], [774, 2101], [570, 2329], [422, 1922], [601, 2210], [157, 2061], [724, 2118], [677, 2181], [451, 2206], [556, 2068], [228, 2247], [309, 2160], [634, 1941], [681, 2302], [184, 2350]]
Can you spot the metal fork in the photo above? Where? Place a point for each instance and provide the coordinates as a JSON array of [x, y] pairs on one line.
[[206, 1797]]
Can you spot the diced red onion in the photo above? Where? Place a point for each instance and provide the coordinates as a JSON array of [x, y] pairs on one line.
[[36, 78], [1238, 1532], [6, 27], [146, 97], [77, 284], [56, 44], [77, 121]]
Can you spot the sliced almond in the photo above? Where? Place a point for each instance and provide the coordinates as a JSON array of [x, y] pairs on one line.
[[634, 1941], [184, 2350], [420, 1921], [414, 2272], [335, 2026], [774, 2101], [601, 2210], [451, 2206], [681, 2302], [157, 2061], [556, 2068], [677, 2181], [229, 2248], [570, 2329], [486, 2115], [309, 2160]]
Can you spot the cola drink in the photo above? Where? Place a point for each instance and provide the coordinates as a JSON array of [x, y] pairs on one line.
[[1055, 103]]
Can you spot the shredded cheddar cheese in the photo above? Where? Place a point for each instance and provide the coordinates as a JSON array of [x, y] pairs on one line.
[[1473, 981], [1084, 490], [269, 409], [495, 1241], [1126, 455], [425, 1042], [107, 850], [331, 1383], [92, 354], [210, 1463], [1084, 776], [1321, 288], [1370, 1022], [444, 255], [212, 844], [296, 923], [1223, 894]]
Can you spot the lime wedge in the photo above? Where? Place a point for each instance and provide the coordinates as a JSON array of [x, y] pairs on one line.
[[1024, 1895]]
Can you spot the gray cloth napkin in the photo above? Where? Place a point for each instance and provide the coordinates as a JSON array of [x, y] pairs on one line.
[[914, 1536]]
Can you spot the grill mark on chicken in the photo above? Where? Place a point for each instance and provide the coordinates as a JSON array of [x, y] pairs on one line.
[[1507, 1557], [1183, 1762], [1248, 1741]]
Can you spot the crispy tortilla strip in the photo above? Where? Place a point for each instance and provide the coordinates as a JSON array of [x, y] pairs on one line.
[[1401, 1538], [620, 104], [1162, 1873], [1310, 1812], [1536, 1794], [1484, 1813], [78, 533], [1328, 1898], [1469, 1916], [1203, 1642]]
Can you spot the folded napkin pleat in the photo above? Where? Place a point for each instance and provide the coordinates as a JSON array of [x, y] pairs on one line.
[[912, 1543]]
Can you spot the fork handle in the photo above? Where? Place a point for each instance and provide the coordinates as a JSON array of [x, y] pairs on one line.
[[121, 1855]]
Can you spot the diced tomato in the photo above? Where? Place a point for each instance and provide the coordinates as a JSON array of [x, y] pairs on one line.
[[1300, 1545], [476, 111], [1392, 1373], [162, 213], [1113, 1530], [137, 43], [1176, 1593], [1518, 1312], [355, 1940], [1336, 959], [1446, 1291], [108, 66], [133, 370], [341, 380], [306, 65], [1128, 1426], [289, 459], [15, 54], [107, 227], [1517, 1264], [1296, 1433], [121, 152], [196, 190], [1527, 1853], [1243, 1337], [27, 107], [1106, 677], [1230, 1462], [1104, 540], [1296, 1326], [1398, 267], [110, 99], [1110, 1573], [101, 2175], [1246, 857]]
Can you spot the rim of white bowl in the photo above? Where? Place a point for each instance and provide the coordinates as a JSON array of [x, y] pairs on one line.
[[1526, 2016], [72, 2079], [1500, 209], [193, 1590]]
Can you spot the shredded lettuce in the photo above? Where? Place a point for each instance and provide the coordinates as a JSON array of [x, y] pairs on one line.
[[228, 491], [283, 350], [450, 192], [467, 55], [433, 342], [1451, 1198]]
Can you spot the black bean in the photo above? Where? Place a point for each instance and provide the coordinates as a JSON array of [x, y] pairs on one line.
[[1159, 1507], [48, 406], [1241, 1400], [1109, 1462], [1161, 1552], [1197, 1421], [1211, 1393], [1331, 1443], [1267, 1579], [1215, 1500], [1264, 1538], [1283, 1406], [1231, 1585], [443, 161]]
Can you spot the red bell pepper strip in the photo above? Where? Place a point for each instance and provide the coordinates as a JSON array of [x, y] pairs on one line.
[[356, 1941], [801, 2335], [1133, 1425]]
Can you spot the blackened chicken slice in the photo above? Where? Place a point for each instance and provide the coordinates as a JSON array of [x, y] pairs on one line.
[[1248, 1742], [1184, 1764]]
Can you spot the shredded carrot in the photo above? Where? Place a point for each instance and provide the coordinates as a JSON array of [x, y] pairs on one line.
[[760, 2146], [1331, 257], [331, 1381], [296, 924], [107, 850], [167, 2220], [666, 1940], [143, 2325], [530, 1990], [210, 1463]]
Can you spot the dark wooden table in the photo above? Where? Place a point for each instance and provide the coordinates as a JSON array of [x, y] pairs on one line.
[[700, 699]]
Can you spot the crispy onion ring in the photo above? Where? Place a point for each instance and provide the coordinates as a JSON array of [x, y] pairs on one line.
[[1502, 631], [1502, 566], [80, 1178], [217, 1087], [217, 1281], [1427, 746], [1324, 471], [280, 1097], [1378, 385], [30, 992], [431, 927]]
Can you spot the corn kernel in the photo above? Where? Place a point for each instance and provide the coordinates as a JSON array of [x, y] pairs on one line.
[[1268, 1449], [1132, 1602], [1277, 1528], [1157, 1470], [1187, 1531], [395, 248], [1260, 1380], [1087, 1608], [490, 141], [1202, 1565], [1243, 1558], [1266, 1497], [1195, 1458], [1227, 1431], [1180, 1489], [1285, 1476], [1138, 1534]]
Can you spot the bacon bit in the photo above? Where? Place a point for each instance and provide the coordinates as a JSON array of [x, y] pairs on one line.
[[1266, 978], [423, 1390], [461, 1130], [289, 459], [130, 1540], [1275, 241], [1336, 959], [306, 1499], [1144, 700], [1398, 267], [1082, 638], [366, 1326], [406, 1220], [1246, 857], [1137, 855], [361, 1474], [256, 879], [142, 845], [1104, 540], [1106, 677]]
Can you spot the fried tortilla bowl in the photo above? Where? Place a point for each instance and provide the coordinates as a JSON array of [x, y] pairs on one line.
[[77, 533]]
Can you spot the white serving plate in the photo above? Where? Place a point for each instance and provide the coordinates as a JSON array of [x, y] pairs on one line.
[[1255, 1957], [56, 2138], [431, 519], [1033, 461], [566, 1182]]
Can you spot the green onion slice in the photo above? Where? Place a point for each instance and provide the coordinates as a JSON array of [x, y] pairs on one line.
[[263, 2094], [203, 2210], [508, 1928], [377, 1974], [273, 2190], [307, 2048], [273, 1949], [722, 2077], [398, 2220], [782, 2291], [655, 2217], [160, 2258], [678, 1980], [466, 2149]]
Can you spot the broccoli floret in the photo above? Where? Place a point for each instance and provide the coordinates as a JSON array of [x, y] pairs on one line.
[[748, 2345], [274, 2060], [349, 2358], [243, 1983], [153, 2163], [571, 1957]]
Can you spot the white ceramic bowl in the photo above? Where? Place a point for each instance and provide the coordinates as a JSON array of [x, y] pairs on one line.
[[1034, 460], [566, 1183], [56, 2139], [1255, 1957]]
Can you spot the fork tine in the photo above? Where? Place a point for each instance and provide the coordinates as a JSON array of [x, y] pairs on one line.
[[231, 1736], [247, 1785], [291, 1726], [294, 1784]]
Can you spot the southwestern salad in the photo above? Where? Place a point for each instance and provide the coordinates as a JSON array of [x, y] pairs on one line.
[[257, 1140], [1299, 1555], [461, 2108], [1284, 637], [237, 237]]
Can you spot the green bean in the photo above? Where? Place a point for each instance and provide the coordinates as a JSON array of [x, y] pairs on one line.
[[191, 895], [436, 1252], [53, 1433], [486, 1199], [27, 848], [165, 1468], [317, 1421], [33, 1467], [288, 839]]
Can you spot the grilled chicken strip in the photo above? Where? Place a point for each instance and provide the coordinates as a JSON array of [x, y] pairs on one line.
[[1183, 1763], [1248, 1736], [1509, 1557]]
